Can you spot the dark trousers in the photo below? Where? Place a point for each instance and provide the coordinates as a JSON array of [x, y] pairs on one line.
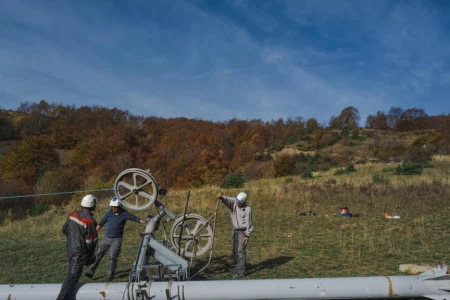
[[74, 271], [114, 245], [239, 253]]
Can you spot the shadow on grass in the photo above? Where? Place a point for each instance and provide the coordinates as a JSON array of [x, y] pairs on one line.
[[219, 267], [268, 264], [225, 265], [120, 276], [123, 275]]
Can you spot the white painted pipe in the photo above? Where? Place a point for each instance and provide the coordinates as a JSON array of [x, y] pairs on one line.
[[380, 287], [51, 291]]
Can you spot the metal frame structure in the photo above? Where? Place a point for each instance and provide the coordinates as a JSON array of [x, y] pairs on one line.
[[191, 235]]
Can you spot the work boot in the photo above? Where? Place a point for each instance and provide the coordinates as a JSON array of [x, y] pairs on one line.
[[89, 274]]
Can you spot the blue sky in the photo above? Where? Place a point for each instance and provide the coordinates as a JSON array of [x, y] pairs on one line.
[[217, 60]]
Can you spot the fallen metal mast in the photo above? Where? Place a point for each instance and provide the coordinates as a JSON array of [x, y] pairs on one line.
[[434, 284]]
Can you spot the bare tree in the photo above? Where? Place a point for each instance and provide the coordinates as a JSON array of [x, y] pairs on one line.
[[379, 121], [393, 116]]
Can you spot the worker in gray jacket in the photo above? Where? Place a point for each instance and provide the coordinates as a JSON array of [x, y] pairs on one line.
[[241, 219]]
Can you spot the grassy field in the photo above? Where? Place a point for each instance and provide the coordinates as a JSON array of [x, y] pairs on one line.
[[284, 244]]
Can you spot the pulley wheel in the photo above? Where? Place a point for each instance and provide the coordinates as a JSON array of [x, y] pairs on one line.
[[136, 189], [197, 237]]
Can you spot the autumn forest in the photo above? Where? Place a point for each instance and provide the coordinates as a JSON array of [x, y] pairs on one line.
[[48, 148]]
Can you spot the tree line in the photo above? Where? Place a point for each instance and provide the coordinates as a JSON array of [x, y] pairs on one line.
[[101, 142]]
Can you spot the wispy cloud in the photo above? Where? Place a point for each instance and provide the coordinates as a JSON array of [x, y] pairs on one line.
[[226, 59]]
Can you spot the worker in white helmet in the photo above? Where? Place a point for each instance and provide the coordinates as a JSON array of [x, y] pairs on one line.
[[81, 233], [241, 219], [115, 220]]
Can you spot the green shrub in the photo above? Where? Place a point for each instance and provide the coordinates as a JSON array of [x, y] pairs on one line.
[[339, 171], [427, 165], [289, 180], [39, 209], [350, 169], [307, 139], [317, 162], [308, 173], [303, 147], [278, 146], [380, 179], [233, 180], [291, 140], [361, 161], [409, 168]]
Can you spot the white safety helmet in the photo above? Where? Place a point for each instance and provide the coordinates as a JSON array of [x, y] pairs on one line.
[[241, 197], [89, 201], [114, 202]]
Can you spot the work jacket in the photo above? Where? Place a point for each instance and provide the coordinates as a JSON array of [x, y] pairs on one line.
[[115, 222], [241, 218], [81, 234]]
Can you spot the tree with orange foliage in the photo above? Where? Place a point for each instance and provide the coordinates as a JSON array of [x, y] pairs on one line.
[[284, 165], [29, 160]]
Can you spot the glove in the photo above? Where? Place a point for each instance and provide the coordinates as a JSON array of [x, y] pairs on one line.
[[219, 195]]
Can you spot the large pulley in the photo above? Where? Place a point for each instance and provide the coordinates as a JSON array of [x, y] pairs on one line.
[[191, 235], [196, 238], [136, 189]]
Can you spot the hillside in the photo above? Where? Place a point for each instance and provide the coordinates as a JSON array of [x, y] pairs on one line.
[[287, 167], [358, 149], [46, 148]]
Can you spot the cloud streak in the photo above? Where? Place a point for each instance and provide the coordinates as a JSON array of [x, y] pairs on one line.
[[227, 59]]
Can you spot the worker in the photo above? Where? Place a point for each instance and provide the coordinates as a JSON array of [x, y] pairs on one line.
[[241, 219], [345, 212], [115, 220], [80, 229]]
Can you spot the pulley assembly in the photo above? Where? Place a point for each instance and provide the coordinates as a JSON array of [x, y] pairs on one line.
[[191, 235]]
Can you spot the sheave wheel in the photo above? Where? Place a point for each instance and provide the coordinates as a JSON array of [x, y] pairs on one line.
[[136, 189], [197, 237]]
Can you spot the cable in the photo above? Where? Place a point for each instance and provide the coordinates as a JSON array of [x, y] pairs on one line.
[[59, 193]]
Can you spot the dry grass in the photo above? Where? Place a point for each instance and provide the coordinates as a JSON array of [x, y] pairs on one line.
[[284, 244], [441, 158], [65, 156]]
